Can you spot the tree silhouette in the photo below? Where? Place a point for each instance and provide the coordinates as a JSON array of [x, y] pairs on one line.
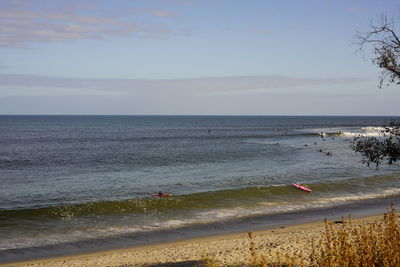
[[384, 39], [375, 150]]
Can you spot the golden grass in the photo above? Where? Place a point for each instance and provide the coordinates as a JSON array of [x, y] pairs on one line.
[[375, 244], [347, 244]]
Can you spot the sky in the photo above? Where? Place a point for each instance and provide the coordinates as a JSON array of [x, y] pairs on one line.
[[191, 57]]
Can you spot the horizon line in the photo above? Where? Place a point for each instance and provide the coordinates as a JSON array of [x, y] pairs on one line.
[[201, 115]]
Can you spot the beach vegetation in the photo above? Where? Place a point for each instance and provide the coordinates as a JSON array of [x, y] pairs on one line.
[[342, 243], [359, 244]]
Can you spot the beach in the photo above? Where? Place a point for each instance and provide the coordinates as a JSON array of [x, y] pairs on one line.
[[195, 133], [224, 249], [85, 184]]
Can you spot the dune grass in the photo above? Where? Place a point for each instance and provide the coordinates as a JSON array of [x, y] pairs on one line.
[[374, 244], [342, 244]]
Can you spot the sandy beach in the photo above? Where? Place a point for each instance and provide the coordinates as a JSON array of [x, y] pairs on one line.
[[224, 249]]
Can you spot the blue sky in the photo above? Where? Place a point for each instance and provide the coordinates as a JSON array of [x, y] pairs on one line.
[[200, 57]]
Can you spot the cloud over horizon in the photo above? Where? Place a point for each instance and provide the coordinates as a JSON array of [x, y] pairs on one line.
[[202, 85]]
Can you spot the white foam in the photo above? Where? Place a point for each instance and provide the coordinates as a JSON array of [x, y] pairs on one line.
[[359, 197], [366, 134], [59, 238], [373, 128], [369, 131], [207, 216], [285, 206]]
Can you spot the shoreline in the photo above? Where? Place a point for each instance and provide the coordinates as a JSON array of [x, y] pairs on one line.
[[226, 249], [213, 235]]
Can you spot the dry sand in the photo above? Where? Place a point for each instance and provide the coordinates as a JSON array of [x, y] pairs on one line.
[[226, 249]]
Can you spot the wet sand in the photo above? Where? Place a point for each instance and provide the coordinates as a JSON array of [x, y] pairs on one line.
[[224, 249]]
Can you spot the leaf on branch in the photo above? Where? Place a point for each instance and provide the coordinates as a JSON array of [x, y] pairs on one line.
[[377, 150]]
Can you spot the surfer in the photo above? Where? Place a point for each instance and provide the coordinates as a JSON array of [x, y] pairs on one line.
[[161, 194]]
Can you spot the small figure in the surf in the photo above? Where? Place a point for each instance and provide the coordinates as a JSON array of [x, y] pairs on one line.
[[162, 195], [209, 131]]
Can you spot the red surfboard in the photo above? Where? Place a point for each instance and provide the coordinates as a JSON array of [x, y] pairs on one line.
[[302, 187]]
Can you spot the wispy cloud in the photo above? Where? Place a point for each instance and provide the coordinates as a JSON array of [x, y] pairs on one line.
[[175, 2], [206, 85], [165, 14], [262, 31], [354, 9], [22, 22]]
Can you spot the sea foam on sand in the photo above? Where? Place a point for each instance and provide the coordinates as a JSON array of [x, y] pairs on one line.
[[225, 249]]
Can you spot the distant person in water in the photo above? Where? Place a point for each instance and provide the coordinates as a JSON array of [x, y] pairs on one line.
[[160, 193]]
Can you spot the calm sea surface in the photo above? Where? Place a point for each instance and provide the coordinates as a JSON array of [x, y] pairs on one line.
[[71, 178]]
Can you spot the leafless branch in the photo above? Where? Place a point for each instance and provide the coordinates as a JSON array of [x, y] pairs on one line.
[[384, 41]]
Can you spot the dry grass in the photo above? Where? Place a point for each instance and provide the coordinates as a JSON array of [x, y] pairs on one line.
[[375, 244], [347, 244]]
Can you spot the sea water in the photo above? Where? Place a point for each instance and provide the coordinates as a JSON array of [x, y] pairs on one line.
[[72, 178]]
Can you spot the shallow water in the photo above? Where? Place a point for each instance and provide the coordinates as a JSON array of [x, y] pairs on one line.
[[72, 178]]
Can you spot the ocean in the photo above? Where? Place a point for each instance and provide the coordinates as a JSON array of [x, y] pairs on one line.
[[67, 179]]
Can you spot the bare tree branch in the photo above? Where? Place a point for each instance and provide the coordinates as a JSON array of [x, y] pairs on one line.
[[384, 41]]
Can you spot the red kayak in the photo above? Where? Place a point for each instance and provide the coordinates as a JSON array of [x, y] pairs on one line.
[[302, 187]]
